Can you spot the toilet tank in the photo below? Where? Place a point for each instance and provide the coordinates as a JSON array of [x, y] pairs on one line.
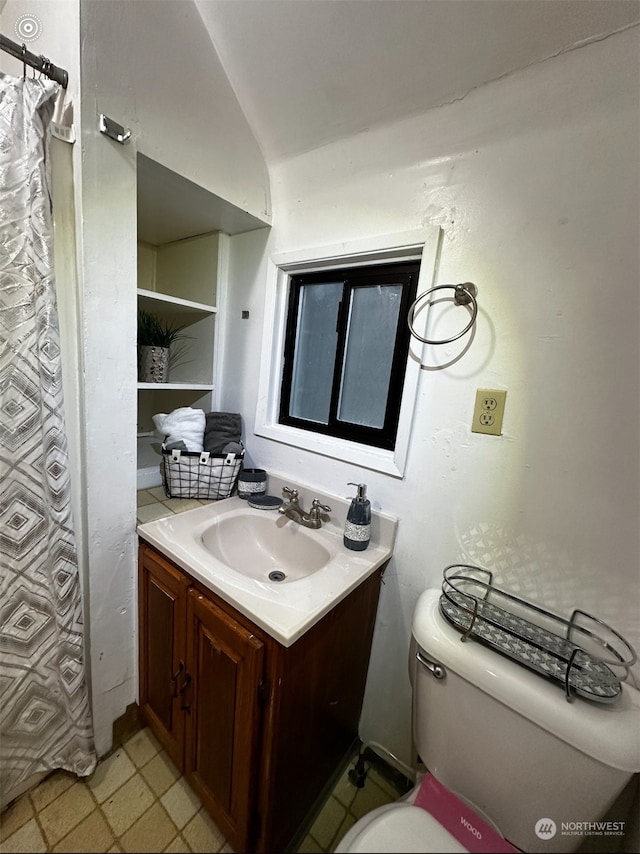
[[508, 741]]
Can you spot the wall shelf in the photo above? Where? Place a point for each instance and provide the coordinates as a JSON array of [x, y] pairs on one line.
[[176, 386], [157, 302]]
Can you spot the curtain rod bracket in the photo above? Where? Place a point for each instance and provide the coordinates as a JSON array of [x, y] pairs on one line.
[[113, 130]]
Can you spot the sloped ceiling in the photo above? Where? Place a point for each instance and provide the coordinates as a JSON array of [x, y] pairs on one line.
[[309, 72]]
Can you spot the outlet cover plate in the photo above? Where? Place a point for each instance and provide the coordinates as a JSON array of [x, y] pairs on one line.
[[489, 411]]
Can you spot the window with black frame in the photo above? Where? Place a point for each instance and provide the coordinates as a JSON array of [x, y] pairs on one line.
[[345, 352]]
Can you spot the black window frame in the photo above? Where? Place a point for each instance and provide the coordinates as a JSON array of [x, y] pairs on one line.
[[404, 273]]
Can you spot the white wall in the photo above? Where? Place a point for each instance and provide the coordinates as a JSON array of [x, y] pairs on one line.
[[535, 181]]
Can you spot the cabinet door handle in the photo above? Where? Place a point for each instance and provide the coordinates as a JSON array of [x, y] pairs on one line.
[[185, 707], [174, 679]]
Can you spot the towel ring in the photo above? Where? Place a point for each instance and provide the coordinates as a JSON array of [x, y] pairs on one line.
[[464, 294]]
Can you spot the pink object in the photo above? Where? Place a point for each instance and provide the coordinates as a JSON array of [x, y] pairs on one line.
[[461, 822]]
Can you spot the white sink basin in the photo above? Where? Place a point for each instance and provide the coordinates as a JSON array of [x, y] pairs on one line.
[[267, 546], [282, 576]]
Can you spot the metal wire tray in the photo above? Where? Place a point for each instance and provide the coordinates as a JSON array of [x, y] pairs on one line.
[[584, 654]]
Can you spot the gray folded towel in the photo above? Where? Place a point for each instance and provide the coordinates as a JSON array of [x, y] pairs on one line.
[[233, 448], [179, 445], [220, 429]]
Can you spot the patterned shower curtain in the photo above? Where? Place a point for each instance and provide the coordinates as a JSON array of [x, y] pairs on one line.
[[45, 716]]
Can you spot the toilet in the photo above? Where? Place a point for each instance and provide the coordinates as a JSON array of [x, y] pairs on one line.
[[510, 764]]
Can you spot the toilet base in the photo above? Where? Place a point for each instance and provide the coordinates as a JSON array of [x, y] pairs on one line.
[[398, 827], [437, 821]]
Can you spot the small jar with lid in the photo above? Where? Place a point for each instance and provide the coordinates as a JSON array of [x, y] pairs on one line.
[[252, 482]]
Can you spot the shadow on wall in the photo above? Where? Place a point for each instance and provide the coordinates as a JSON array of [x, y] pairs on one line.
[[627, 810]]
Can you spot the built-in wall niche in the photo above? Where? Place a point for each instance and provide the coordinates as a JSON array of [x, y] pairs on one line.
[[177, 282], [191, 357], [183, 240], [182, 269]]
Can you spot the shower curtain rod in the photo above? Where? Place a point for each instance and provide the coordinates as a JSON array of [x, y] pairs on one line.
[[40, 63]]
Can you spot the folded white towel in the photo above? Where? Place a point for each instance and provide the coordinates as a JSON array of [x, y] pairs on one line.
[[186, 424]]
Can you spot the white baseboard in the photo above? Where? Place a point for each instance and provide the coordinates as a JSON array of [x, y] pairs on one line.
[[148, 478]]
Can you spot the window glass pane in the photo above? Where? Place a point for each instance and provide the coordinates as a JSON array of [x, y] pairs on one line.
[[371, 339], [315, 351]]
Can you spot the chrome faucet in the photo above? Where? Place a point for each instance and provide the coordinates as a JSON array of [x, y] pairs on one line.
[[294, 511]]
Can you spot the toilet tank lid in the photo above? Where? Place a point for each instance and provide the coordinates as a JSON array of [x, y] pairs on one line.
[[608, 733]]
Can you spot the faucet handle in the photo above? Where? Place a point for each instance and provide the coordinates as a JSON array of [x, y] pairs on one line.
[[315, 505], [291, 492]]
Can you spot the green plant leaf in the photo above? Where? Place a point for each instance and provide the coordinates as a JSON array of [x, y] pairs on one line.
[[154, 332]]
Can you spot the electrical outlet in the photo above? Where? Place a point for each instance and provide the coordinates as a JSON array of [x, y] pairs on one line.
[[488, 411]]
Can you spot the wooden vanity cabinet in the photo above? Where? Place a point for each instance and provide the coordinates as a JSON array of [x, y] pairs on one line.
[[226, 662], [162, 621], [260, 730]]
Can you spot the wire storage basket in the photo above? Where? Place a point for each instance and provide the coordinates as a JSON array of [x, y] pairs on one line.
[[583, 654], [199, 474]]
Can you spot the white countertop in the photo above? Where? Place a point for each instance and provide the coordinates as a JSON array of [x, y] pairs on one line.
[[285, 610]]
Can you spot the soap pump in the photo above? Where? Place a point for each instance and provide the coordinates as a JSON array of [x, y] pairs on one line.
[[357, 529]]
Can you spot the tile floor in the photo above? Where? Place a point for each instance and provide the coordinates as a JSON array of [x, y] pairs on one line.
[[153, 504], [136, 801]]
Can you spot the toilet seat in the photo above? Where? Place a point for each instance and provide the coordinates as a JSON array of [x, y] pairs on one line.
[[399, 827]]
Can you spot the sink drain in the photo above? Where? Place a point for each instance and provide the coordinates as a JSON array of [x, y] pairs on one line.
[[277, 575]]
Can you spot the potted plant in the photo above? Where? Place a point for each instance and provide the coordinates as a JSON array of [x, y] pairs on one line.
[[155, 337]]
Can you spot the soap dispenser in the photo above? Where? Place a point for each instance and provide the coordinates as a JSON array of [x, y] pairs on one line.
[[357, 529]]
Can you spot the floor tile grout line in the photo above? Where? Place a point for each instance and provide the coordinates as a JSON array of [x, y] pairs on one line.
[[79, 782], [38, 812], [117, 838], [36, 815], [157, 797]]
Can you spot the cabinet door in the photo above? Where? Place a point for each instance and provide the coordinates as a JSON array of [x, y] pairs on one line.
[[162, 613], [226, 663], [320, 683]]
